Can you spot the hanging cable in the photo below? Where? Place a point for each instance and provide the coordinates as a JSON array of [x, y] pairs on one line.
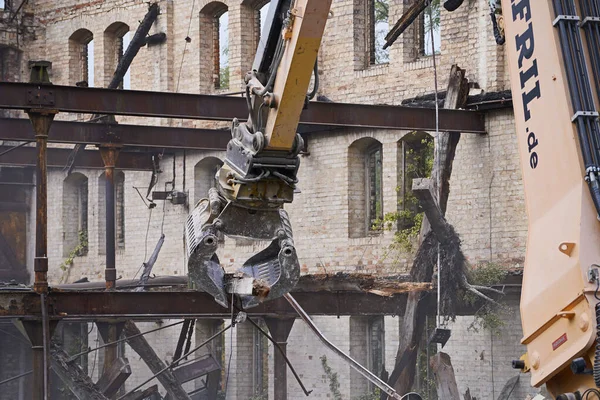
[[76, 356], [436, 157], [313, 93], [287, 361], [15, 147]]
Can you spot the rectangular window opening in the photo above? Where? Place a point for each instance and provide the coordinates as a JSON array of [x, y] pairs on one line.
[[417, 161]]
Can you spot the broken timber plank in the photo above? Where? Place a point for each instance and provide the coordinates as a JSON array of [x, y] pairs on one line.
[[78, 382], [114, 377], [405, 21], [423, 191], [441, 366], [146, 352], [354, 282]]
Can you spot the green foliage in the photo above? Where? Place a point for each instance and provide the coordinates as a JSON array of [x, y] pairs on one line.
[[260, 396], [382, 10], [487, 316], [224, 77], [79, 250], [334, 384], [434, 10], [419, 164]]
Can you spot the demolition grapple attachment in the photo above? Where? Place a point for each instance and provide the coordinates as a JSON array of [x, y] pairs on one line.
[[267, 275]]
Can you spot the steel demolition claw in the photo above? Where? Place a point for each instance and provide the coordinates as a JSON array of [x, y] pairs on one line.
[[267, 275]]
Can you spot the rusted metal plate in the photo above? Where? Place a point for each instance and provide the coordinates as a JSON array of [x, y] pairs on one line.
[[26, 156], [225, 108]]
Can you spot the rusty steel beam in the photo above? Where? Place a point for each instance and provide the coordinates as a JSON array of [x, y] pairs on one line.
[[26, 157], [127, 135], [23, 96], [187, 304]]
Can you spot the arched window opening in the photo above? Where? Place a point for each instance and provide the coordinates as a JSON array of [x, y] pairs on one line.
[[75, 214], [416, 162], [119, 211], [81, 58], [116, 40], [214, 40], [365, 187], [204, 176]]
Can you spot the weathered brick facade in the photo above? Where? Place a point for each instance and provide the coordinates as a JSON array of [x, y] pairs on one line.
[[486, 203]]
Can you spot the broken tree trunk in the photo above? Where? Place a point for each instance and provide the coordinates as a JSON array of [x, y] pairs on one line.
[[78, 382], [413, 323], [145, 351], [444, 376]]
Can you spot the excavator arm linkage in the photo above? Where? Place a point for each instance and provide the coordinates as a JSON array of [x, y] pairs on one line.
[[261, 164]]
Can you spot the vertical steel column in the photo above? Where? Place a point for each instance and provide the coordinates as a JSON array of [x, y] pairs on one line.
[[41, 116], [109, 154], [280, 330]]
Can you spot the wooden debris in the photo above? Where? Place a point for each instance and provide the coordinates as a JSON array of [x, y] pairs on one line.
[[441, 365], [146, 352], [114, 377], [355, 282], [78, 382]]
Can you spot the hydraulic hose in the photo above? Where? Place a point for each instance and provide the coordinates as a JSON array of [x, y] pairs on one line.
[[580, 88]]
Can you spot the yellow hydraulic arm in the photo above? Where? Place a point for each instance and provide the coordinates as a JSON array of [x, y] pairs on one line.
[[554, 61], [259, 174]]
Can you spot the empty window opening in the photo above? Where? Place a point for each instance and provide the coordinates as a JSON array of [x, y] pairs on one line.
[[119, 211], [365, 187], [430, 19], [75, 214], [2, 5], [88, 74], [416, 162], [214, 46], [81, 58], [116, 40], [378, 15], [222, 47]]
